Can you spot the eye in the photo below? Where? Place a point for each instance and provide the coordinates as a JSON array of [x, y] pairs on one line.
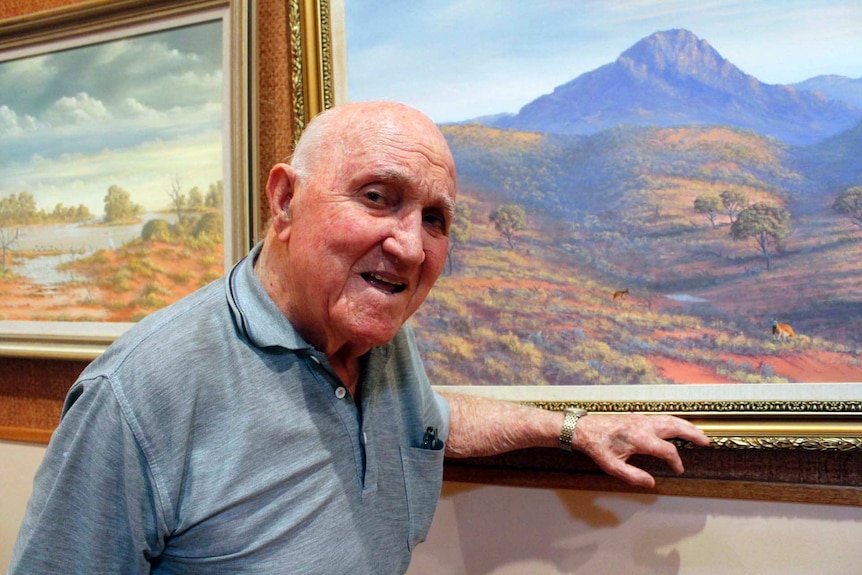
[[435, 220], [375, 196]]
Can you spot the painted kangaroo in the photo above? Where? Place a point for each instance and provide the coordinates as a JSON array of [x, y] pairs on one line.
[[619, 294], [781, 331]]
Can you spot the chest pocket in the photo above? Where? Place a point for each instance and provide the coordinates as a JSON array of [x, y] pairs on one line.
[[423, 478]]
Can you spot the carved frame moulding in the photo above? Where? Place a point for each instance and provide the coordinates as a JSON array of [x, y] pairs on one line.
[[777, 441]]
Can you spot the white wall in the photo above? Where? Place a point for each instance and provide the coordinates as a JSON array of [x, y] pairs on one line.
[[18, 463], [485, 530]]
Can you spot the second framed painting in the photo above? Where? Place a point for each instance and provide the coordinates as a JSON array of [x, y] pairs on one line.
[[124, 167]]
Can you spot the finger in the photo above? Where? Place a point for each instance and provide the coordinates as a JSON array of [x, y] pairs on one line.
[[633, 475], [696, 436], [671, 426], [665, 451], [616, 464]]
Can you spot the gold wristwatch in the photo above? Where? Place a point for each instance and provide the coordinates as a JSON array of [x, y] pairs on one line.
[[569, 424]]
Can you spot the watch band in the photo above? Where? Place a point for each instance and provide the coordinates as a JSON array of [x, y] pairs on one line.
[[570, 422]]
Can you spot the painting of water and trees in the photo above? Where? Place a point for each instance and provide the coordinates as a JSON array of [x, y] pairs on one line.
[[660, 215], [111, 176]]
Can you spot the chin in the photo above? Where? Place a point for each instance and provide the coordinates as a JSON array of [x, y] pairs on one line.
[[376, 337]]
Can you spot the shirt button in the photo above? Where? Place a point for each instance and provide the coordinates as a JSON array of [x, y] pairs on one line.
[[340, 393], [315, 360]]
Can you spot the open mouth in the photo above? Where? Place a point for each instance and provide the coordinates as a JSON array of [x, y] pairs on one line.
[[383, 284]]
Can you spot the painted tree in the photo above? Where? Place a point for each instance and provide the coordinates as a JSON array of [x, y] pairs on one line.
[[157, 229], [18, 210], [7, 241], [178, 199], [196, 199], [460, 230], [210, 226], [119, 205], [768, 225], [849, 203], [63, 213], [509, 219], [14, 210], [733, 202], [215, 195], [708, 205]]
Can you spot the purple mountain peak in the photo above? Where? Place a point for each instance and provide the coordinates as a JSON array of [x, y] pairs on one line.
[[675, 54], [672, 49], [674, 78]]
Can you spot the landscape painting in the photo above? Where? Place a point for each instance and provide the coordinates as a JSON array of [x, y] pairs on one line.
[[112, 171], [658, 193]]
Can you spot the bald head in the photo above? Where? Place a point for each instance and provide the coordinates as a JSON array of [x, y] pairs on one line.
[[340, 131]]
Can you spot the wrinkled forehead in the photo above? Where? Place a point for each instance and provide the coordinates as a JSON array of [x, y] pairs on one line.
[[421, 149], [355, 135]]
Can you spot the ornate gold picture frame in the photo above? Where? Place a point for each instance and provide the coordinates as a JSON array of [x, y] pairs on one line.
[[771, 441]]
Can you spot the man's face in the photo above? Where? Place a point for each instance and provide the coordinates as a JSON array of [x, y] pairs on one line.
[[369, 229]]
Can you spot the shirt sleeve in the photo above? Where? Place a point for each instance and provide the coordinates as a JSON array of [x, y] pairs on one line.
[[443, 406], [93, 507]]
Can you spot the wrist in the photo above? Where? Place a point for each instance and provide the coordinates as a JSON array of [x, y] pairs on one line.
[[570, 425]]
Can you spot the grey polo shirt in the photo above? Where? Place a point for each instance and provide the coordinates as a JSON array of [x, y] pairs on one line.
[[212, 438]]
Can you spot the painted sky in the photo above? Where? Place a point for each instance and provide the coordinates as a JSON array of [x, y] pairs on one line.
[[134, 112], [459, 59]]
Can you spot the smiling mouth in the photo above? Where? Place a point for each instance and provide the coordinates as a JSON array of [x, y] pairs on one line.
[[383, 284]]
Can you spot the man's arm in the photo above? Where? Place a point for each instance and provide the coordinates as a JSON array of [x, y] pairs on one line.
[[480, 427], [93, 507]]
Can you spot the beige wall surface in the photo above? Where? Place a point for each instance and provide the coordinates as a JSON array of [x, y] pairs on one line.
[[485, 530], [18, 463]]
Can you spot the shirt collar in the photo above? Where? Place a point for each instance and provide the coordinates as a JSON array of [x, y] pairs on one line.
[[255, 314], [263, 324]]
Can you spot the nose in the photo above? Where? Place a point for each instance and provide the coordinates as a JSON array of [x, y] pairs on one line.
[[405, 241]]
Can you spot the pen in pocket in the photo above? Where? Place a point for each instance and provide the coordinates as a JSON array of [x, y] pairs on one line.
[[430, 440]]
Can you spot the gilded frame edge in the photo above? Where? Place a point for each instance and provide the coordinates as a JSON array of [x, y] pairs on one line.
[[312, 78], [775, 426], [91, 18]]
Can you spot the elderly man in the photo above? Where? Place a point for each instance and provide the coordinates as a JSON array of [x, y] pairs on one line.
[[277, 420]]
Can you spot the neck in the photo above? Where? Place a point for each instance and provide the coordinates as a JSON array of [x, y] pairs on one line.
[[344, 357], [349, 374]]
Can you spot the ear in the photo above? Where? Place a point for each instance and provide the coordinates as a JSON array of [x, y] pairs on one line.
[[280, 188]]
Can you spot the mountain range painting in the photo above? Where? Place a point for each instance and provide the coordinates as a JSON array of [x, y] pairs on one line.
[[663, 216]]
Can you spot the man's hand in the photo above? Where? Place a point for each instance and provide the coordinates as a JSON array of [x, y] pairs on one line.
[[610, 439], [480, 427]]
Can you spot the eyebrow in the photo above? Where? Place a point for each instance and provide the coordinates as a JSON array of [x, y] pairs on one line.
[[450, 207], [392, 176], [399, 178]]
